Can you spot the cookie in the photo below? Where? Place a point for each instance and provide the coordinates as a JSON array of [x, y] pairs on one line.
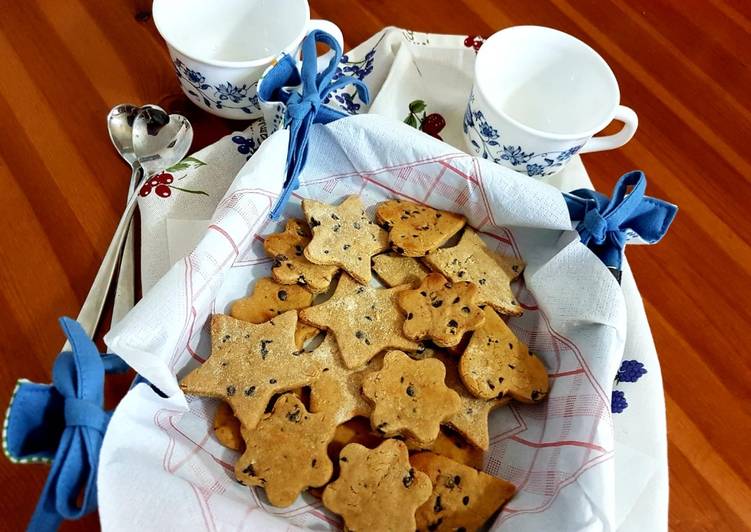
[[337, 390], [471, 260], [250, 363], [290, 265], [227, 428], [440, 310], [471, 420], [454, 446], [395, 270], [364, 320], [462, 498], [287, 451], [497, 364], [409, 397], [377, 489], [416, 230], [270, 299], [343, 236]]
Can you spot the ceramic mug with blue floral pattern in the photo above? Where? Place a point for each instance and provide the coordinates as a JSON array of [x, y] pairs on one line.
[[538, 98], [221, 48]]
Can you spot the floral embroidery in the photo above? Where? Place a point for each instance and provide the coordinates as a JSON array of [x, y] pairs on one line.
[[432, 123], [474, 42], [486, 140], [630, 371], [355, 69], [162, 183], [347, 101], [245, 145], [225, 95]]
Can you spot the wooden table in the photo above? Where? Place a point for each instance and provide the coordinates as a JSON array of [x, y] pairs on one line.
[[682, 65]]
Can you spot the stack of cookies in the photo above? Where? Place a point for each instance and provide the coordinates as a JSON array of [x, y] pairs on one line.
[[386, 418]]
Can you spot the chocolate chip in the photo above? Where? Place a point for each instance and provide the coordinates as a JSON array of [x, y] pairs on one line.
[[407, 480], [449, 285], [490, 384], [437, 506], [500, 380], [535, 395], [415, 236], [465, 310], [386, 225], [449, 483], [411, 390], [461, 273], [325, 251], [298, 249], [250, 470], [313, 463], [437, 303], [359, 335], [482, 281], [314, 222], [434, 526], [367, 341], [264, 348], [334, 216], [456, 300], [513, 302], [515, 268], [511, 366], [336, 228], [342, 458], [438, 215], [359, 290], [457, 480], [301, 280], [230, 390], [404, 217], [510, 345], [401, 379], [398, 249], [465, 500], [250, 390], [368, 318], [224, 364], [294, 415], [410, 315], [356, 225], [272, 381], [453, 323], [282, 295]]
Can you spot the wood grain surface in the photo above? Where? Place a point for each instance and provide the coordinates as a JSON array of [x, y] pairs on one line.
[[683, 66]]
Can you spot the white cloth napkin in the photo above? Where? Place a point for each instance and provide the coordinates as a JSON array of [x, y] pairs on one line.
[[437, 69]]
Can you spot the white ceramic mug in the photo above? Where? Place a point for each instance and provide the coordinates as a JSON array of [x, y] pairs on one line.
[[220, 48], [538, 98]]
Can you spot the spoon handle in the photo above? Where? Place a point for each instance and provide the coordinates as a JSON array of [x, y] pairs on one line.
[[92, 307], [126, 280]]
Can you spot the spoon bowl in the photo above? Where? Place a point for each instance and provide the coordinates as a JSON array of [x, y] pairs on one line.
[[120, 127], [160, 140]]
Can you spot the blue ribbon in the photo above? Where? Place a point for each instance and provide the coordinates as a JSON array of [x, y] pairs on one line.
[[63, 422], [606, 224], [305, 108]]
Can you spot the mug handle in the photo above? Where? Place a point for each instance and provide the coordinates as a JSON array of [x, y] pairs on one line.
[[336, 33], [616, 140]]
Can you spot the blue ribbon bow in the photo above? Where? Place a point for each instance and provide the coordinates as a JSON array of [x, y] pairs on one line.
[[63, 422], [606, 224], [306, 108]]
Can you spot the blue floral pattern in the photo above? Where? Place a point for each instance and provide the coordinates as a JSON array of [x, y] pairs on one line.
[[486, 140], [222, 96], [356, 69], [630, 371]]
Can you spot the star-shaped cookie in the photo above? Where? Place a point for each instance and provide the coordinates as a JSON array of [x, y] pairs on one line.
[[287, 451], [440, 310], [337, 390], [373, 481], [395, 270], [471, 420], [290, 265], [250, 363], [409, 397], [364, 320], [270, 299], [471, 260], [497, 364], [416, 230], [343, 236]]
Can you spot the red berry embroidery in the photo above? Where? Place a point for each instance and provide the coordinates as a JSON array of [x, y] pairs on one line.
[[165, 178], [474, 42], [154, 181], [145, 190], [469, 41], [433, 124], [163, 191]]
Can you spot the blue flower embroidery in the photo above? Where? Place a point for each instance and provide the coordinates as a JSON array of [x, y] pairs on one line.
[[566, 155], [630, 371], [195, 77], [347, 102], [488, 132], [515, 155], [227, 91], [535, 169], [618, 402], [245, 145]]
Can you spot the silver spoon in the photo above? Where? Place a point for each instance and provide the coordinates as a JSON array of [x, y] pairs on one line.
[[166, 141], [91, 310], [120, 128]]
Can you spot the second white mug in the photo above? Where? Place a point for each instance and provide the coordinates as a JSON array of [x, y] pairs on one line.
[[539, 96], [220, 48]]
